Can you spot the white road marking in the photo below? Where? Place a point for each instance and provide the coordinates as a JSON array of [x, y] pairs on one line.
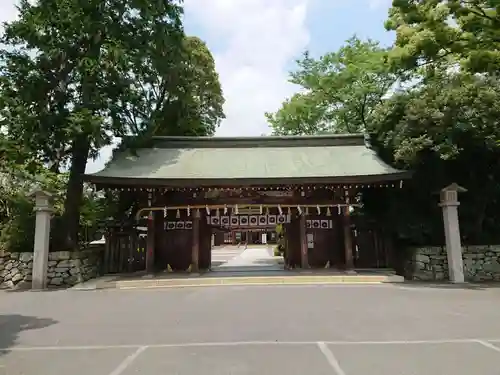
[[488, 345], [330, 357], [243, 343], [128, 361]]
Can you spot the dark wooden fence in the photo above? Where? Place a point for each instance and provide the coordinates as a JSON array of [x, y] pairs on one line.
[[372, 246], [125, 251]]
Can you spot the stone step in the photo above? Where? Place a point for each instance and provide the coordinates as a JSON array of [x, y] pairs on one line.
[[253, 280]]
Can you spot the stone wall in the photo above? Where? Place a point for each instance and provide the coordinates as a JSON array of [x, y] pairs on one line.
[[64, 268], [481, 263]]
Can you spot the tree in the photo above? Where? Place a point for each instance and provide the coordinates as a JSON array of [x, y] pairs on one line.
[[432, 30], [446, 131], [338, 91], [74, 76], [182, 99]]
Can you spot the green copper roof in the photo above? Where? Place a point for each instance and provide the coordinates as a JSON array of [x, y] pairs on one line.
[[251, 160]]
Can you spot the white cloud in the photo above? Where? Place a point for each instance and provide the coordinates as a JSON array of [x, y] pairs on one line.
[[8, 10], [260, 38]]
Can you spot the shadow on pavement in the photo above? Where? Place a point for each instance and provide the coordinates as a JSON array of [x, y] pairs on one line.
[[449, 286], [12, 325], [270, 261], [23, 289]]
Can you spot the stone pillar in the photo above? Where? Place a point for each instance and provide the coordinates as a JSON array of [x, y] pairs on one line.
[[195, 250], [43, 211], [449, 204], [304, 261]]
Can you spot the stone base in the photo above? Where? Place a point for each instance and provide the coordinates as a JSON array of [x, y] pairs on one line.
[[64, 268], [481, 263]]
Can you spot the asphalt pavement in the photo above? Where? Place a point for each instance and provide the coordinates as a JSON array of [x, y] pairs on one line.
[[340, 330]]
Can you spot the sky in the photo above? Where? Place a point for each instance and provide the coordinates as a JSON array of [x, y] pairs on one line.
[[255, 44]]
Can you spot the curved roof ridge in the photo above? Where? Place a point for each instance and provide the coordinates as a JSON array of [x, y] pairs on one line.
[[262, 141]]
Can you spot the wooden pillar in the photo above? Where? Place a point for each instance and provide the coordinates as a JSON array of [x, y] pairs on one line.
[[304, 262], [108, 236], [195, 251], [349, 260], [150, 254]]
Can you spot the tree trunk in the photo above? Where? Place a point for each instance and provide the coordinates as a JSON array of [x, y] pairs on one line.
[[74, 193], [80, 150]]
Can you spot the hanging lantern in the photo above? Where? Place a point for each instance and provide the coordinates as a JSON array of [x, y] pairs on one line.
[[289, 210], [401, 184], [189, 211], [319, 210], [280, 210], [197, 214], [236, 209], [307, 210], [299, 210], [328, 211], [178, 214], [338, 209], [208, 210], [165, 211], [225, 209]]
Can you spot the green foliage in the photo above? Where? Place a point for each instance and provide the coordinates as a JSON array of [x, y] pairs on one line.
[[338, 91], [178, 97], [432, 30], [446, 131], [17, 218], [448, 115]]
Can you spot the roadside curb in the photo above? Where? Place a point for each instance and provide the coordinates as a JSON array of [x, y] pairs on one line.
[[240, 281]]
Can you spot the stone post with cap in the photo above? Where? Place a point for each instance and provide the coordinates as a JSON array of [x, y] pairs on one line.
[[449, 204], [44, 210]]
